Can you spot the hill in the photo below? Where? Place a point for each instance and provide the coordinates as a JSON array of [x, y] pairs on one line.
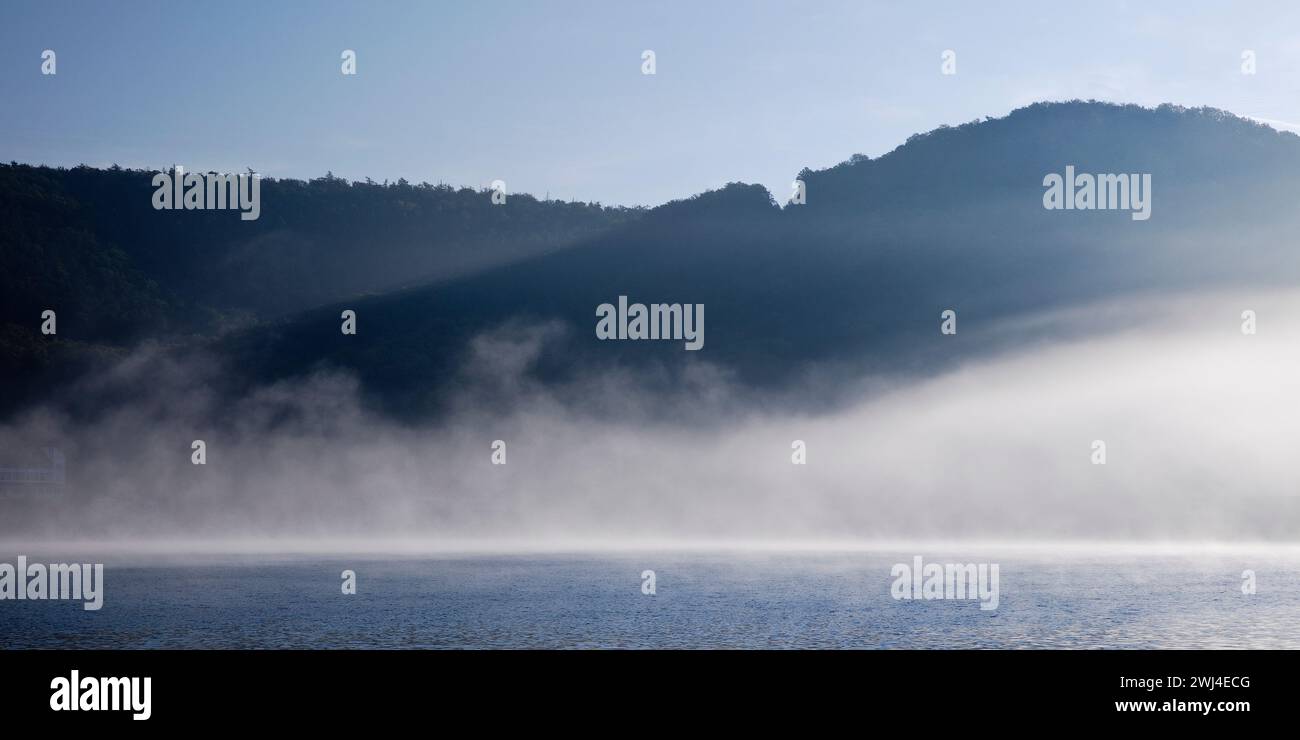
[[854, 279]]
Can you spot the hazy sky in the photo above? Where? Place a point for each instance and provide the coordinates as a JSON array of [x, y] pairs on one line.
[[549, 96]]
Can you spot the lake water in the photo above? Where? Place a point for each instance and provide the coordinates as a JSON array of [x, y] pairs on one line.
[[709, 600]]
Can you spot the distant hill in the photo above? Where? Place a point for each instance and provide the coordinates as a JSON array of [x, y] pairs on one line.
[[88, 243], [859, 274], [855, 278]]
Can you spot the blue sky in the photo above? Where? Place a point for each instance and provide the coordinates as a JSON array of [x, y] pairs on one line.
[[549, 96]]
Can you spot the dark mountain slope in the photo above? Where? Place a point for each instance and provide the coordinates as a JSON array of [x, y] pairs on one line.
[[859, 275], [855, 279], [88, 244]]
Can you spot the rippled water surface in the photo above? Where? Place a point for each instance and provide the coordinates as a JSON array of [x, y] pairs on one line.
[[702, 601]]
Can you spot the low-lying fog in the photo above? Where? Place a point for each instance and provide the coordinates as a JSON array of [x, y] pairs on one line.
[[1199, 423]]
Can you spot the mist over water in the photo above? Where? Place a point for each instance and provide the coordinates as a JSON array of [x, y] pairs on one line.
[[1195, 416], [704, 600]]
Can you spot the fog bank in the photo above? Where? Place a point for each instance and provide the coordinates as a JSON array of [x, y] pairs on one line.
[[1196, 418]]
